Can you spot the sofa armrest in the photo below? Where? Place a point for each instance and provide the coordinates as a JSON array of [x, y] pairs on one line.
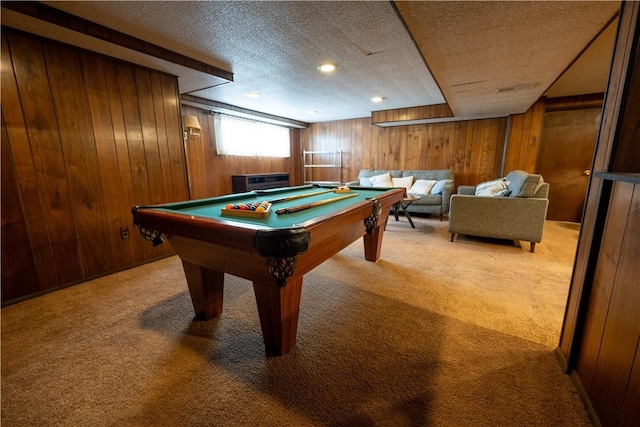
[[469, 190], [447, 192], [498, 217], [352, 183]]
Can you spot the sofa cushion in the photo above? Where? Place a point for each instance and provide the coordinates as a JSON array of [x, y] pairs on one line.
[[523, 184], [436, 174], [429, 200], [494, 188], [422, 187], [368, 173], [437, 188], [405, 182], [383, 180]]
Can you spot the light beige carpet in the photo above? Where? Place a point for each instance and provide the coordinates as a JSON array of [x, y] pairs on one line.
[[434, 334]]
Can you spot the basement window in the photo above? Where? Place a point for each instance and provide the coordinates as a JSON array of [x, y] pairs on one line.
[[236, 136]]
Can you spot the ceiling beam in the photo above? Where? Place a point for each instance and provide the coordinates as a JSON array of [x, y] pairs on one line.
[[221, 107], [66, 20]]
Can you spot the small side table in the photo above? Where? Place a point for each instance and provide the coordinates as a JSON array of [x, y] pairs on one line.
[[404, 204]]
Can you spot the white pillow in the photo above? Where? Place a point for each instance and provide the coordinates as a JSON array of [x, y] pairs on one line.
[[383, 180], [437, 189], [365, 182], [405, 182], [422, 187], [493, 188]]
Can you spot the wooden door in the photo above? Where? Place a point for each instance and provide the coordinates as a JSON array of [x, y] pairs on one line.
[[566, 153]]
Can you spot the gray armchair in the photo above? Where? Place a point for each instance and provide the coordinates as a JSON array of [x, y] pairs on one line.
[[512, 218]]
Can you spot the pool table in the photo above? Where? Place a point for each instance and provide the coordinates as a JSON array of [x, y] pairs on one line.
[[274, 251]]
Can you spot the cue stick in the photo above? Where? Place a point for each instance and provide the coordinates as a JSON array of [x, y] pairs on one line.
[[312, 204], [299, 196]]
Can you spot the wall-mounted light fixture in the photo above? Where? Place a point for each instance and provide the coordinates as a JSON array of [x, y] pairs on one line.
[[191, 126]]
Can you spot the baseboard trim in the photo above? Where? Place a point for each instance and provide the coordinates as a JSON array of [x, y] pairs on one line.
[[562, 360], [585, 398]]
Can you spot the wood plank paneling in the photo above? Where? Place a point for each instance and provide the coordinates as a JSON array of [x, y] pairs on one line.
[[168, 99], [196, 161], [630, 409], [574, 102], [36, 102], [124, 180], [86, 218], [84, 139], [113, 208], [473, 149], [512, 161], [18, 264], [155, 88], [151, 147], [603, 282], [524, 138], [22, 161], [459, 144], [621, 333], [135, 145]]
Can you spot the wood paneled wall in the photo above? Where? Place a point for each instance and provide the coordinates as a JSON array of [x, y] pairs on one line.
[[474, 149], [600, 342], [524, 139], [210, 173], [84, 139], [608, 363]]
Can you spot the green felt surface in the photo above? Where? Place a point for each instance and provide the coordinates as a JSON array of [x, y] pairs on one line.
[[212, 208]]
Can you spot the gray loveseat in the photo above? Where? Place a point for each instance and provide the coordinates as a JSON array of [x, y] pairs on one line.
[[436, 202], [518, 214]]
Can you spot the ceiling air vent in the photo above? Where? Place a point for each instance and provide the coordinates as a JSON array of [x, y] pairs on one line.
[[515, 88]]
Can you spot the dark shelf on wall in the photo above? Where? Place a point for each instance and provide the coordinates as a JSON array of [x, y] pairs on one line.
[[633, 178], [259, 181]]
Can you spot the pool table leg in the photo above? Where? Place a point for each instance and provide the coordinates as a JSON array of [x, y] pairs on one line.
[[373, 243], [278, 308], [206, 287]]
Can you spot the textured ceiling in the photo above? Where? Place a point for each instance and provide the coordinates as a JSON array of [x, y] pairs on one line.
[[479, 50], [472, 49], [590, 72]]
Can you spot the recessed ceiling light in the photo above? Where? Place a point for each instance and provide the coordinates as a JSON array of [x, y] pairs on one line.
[[327, 68], [254, 94], [377, 99]]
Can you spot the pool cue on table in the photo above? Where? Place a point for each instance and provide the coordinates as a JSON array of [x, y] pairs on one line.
[[298, 208], [299, 196]]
